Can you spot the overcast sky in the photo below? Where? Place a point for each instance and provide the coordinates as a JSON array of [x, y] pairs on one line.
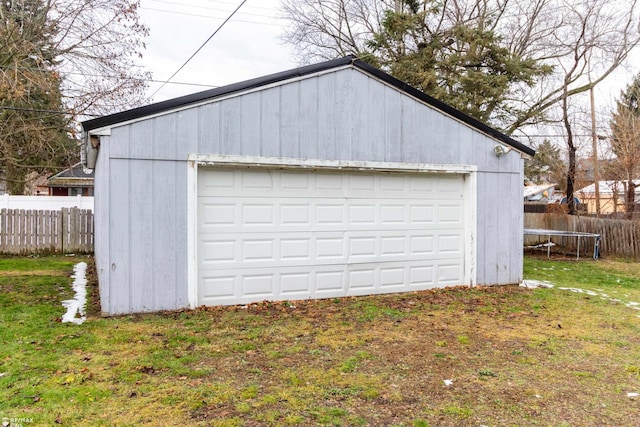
[[247, 46]]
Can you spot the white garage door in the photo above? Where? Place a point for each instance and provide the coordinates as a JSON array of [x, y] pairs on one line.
[[282, 235]]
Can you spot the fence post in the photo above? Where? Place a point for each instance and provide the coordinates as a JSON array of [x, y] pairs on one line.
[[3, 229], [72, 233], [59, 233]]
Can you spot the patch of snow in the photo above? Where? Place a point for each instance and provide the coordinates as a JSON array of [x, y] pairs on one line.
[[542, 245], [532, 284], [581, 291], [76, 306]]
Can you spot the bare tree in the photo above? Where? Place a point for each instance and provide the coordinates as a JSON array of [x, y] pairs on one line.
[[582, 41], [328, 29], [591, 40], [625, 142], [61, 60], [98, 44]]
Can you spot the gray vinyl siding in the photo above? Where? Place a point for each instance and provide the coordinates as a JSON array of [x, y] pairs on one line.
[[141, 176]]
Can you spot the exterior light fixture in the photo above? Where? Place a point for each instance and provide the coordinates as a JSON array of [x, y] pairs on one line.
[[501, 150]]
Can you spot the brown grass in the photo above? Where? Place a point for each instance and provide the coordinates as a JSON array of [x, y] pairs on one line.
[[516, 356]]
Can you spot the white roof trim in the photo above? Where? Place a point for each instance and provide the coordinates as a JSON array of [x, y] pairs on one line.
[[311, 164]]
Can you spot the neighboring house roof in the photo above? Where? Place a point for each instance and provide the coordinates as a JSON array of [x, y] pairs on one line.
[[75, 176], [607, 187], [533, 190], [211, 94]]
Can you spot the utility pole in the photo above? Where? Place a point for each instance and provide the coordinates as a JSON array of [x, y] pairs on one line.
[[594, 136]]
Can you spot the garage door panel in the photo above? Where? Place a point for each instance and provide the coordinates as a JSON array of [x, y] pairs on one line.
[[421, 277], [259, 250], [330, 248], [422, 246], [421, 215], [393, 277], [258, 285], [295, 214], [362, 279], [362, 214], [362, 247], [235, 286], [450, 244], [270, 234], [295, 284], [298, 249], [329, 282], [329, 214], [215, 252], [325, 248], [450, 214], [394, 214], [266, 183], [218, 288], [218, 215], [450, 274], [394, 245]]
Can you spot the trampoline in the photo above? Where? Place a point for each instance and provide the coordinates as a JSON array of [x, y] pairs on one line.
[[560, 233]]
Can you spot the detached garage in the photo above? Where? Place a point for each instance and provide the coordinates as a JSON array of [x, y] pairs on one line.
[[330, 180]]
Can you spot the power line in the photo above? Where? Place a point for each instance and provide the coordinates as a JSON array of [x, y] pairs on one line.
[[207, 16], [212, 8], [230, 2], [37, 110], [76, 73], [200, 48]]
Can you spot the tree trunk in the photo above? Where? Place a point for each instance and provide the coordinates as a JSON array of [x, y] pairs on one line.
[[14, 177], [571, 148], [630, 199], [571, 176]]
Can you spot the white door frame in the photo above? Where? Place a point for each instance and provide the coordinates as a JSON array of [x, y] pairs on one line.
[[469, 173]]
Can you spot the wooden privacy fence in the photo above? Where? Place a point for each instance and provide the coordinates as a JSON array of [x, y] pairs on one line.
[[619, 237], [38, 231]]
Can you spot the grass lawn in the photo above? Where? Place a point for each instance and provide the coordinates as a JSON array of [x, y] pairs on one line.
[[515, 356]]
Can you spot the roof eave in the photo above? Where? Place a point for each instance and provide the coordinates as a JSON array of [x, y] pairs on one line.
[[182, 101], [445, 108]]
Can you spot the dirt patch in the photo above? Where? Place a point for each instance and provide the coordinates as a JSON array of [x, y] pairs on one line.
[[93, 290], [507, 362]]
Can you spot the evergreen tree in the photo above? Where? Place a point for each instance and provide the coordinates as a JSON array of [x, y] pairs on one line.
[[465, 64], [546, 166]]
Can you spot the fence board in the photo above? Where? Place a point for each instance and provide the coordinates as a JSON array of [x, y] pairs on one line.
[[44, 231], [619, 237]]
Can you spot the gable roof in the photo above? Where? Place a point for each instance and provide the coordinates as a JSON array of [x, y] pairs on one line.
[[75, 171], [75, 176], [607, 187], [211, 94]]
